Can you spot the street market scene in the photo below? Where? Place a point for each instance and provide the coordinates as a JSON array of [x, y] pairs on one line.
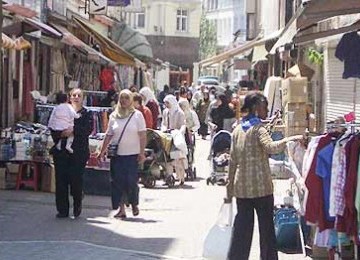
[[167, 129]]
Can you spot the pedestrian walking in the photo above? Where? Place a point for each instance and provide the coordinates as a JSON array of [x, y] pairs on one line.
[[220, 113], [201, 110], [250, 180], [126, 132], [174, 119], [150, 101], [70, 167], [138, 104]]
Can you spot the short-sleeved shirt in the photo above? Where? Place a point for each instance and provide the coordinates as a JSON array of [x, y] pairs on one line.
[[130, 141], [323, 170]]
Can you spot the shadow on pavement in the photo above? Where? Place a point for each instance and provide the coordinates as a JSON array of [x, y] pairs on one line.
[[24, 216]]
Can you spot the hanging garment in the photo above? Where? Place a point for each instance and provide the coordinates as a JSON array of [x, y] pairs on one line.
[[348, 51], [323, 170], [107, 79], [28, 104], [348, 222], [58, 71], [315, 202]]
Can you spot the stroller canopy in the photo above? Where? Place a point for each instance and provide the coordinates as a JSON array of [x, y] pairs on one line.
[[221, 141]]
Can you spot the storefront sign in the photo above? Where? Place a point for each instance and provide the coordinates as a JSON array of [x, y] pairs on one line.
[[118, 2]]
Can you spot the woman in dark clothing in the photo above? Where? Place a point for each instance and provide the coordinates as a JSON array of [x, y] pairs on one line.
[[201, 110], [221, 112], [70, 167]]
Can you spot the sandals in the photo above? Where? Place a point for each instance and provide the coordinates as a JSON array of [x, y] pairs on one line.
[[120, 215]]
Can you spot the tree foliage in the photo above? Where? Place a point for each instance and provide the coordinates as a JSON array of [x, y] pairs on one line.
[[208, 38]]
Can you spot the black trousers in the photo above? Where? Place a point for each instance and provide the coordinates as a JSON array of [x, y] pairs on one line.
[[68, 173], [244, 226]]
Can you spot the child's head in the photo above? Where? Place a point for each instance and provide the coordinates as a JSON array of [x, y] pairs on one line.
[[61, 98]]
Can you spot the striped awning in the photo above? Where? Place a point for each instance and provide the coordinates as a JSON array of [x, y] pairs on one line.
[[17, 44], [7, 42]]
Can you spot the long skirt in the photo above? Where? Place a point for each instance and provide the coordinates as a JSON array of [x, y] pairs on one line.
[[124, 180]]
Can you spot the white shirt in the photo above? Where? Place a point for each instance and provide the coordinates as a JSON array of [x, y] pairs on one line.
[[130, 141], [62, 117]]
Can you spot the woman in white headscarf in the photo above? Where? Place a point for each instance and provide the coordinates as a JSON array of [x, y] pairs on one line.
[[150, 101], [174, 119], [127, 130], [191, 118], [173, 116]]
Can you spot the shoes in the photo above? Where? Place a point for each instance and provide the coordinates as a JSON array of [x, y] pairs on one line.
[[62, 215], [182, 183], [120, 215], [77, 211], [135, 211]]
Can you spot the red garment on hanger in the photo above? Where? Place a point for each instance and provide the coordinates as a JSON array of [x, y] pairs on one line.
[[107, 79]]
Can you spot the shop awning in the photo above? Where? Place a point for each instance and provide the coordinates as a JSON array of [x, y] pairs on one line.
[[109, 48], [312, 13], [316, 11], [132, 41], [7, 42], [318, 35], [27, 25], [241, 49], [72, 40], [17, 44], [20, 10]]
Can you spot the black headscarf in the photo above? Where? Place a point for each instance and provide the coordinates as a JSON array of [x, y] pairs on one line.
[[221, 112]]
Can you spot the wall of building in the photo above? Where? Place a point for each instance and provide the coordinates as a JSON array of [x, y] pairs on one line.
[[229, 17]]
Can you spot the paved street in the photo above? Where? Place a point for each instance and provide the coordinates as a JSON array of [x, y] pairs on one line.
[[172, 224]]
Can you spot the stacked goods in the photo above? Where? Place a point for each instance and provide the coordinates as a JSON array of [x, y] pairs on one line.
[[294, 98]]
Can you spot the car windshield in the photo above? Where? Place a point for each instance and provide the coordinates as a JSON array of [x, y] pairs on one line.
[[210, 83]]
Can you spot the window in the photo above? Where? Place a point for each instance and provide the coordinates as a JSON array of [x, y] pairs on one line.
[[140, 20], [181, 20]]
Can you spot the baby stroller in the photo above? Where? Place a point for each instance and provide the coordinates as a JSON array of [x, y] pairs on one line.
[[220, 156], [190, 142], [157, 156]]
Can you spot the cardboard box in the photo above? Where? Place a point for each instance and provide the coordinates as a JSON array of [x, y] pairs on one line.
[[290, 131], [295, 115], [294, 90]]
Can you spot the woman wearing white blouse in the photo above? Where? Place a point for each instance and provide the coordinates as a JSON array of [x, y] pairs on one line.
[[131, 148]]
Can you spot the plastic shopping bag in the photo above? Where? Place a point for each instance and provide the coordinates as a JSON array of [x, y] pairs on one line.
[[217, 241]]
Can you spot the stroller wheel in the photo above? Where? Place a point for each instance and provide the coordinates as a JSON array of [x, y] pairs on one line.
[[170, 181], [221, 182], [194, 173], [150, 182], [208, 181]]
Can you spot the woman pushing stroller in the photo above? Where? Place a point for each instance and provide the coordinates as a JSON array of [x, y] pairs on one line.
[[174, 119]]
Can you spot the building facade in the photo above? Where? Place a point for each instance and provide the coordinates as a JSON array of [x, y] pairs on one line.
[[229, 18]]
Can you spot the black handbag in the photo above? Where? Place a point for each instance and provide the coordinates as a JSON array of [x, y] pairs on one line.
[[112, 148]]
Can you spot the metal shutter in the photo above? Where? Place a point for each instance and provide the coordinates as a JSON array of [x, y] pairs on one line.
[[339, 92]]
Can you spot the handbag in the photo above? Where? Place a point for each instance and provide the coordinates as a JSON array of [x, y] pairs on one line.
[[217, 241], [112, 148]]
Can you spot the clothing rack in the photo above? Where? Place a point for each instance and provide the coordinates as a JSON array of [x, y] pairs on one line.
[[93, 109], [96, 93], [99, 109]]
